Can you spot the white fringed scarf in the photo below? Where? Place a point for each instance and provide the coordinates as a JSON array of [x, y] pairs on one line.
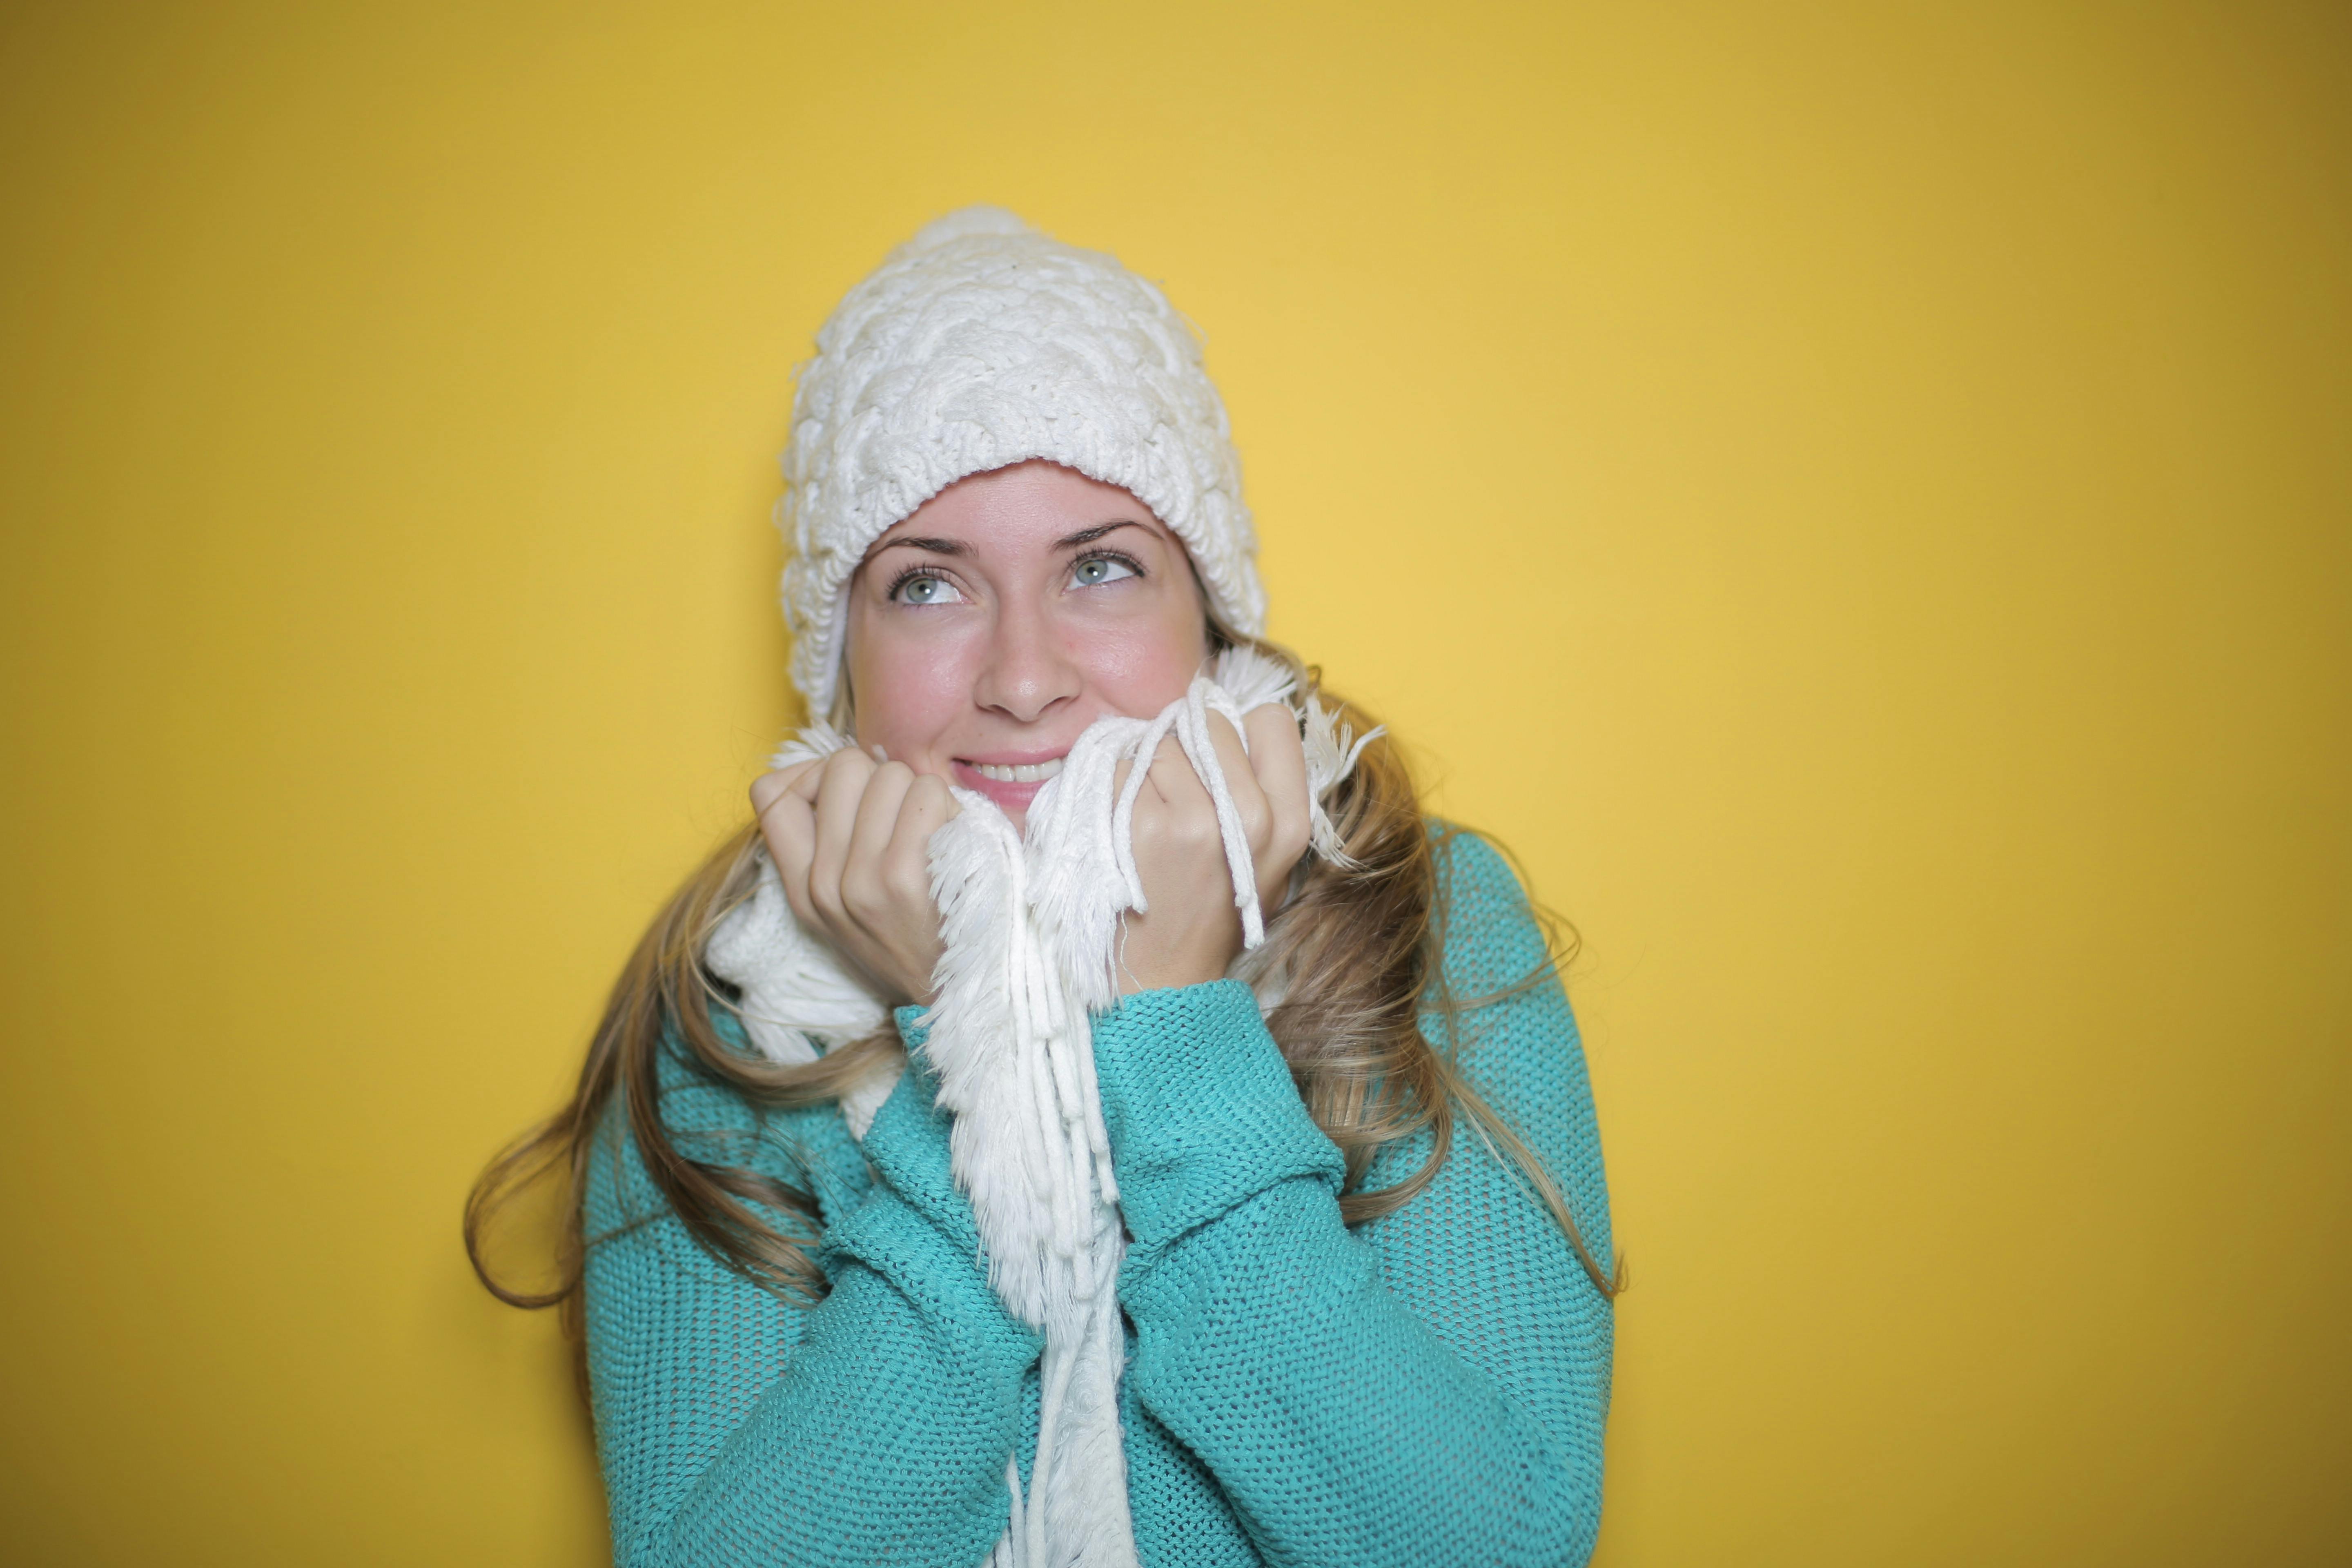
[[1030, 926]]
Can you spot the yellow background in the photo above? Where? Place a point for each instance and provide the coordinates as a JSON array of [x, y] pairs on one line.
[[1856, 494]]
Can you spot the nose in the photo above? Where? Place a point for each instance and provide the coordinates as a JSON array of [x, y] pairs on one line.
[[1025, 675]]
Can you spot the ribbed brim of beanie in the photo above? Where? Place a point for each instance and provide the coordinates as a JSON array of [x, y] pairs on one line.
[[977, 344]]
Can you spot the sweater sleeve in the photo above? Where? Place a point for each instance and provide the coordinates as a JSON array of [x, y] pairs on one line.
[[1430, 1389], [735, 1429]]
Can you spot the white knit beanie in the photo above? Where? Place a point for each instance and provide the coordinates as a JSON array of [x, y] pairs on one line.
[[980, 343]]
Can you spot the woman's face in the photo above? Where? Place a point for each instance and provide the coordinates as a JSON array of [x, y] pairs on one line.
[[1007, 613]]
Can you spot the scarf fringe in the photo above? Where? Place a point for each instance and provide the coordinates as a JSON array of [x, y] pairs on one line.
[[1030, 927]]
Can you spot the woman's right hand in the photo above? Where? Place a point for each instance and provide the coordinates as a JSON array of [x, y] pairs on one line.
[[850, 837]]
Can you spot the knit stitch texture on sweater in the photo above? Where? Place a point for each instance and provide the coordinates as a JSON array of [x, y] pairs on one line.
[[1429, 1388]]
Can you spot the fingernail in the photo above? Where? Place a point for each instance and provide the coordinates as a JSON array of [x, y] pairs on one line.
[[881, 755]]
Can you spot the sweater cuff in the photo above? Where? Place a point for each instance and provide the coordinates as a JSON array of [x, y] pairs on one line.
[[1200, 1109]]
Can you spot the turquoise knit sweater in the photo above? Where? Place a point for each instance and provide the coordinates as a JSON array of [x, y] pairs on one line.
[[1428, 1388]]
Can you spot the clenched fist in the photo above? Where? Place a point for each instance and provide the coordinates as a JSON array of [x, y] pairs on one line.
[[1192, 929], [849, 836]]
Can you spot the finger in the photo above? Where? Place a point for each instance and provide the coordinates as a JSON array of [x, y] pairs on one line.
[[1171, 776], [1241, 782], [771, 787], [1186, 815], [788, 829], [1181, 807], [808, 777], [907, 861], [931, 802], [1279, 757], [869, 836], [838, 792]]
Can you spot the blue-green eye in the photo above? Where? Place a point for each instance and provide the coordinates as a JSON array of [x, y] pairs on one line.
[[1098, 569], [920, 588]]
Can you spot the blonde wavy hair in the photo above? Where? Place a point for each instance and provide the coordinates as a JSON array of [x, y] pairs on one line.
[[1354, 958]]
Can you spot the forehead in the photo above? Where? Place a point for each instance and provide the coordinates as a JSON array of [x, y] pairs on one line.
[[1031, 505]]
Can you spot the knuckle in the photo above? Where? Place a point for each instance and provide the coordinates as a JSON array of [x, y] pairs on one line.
[[861, 896]]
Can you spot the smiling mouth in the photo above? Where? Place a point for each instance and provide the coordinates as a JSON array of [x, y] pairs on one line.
[[1025, 772]]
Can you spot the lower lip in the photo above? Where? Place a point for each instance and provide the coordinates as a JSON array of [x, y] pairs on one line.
[[1013, 799]]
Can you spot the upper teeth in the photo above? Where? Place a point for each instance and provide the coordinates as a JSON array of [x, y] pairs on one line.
[[1027, 773]]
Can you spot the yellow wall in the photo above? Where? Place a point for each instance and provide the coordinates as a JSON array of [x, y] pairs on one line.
[[1857, 495]]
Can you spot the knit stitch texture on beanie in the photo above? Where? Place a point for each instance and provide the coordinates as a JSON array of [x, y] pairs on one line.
[[980, 343]]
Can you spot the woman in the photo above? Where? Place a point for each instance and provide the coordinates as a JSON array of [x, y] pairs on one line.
[[1354, 1198]]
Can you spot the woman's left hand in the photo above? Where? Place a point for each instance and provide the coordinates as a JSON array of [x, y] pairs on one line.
[[1192, 930]]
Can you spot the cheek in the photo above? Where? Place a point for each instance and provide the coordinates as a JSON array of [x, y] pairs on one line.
[[910, 693], [1139, 666]]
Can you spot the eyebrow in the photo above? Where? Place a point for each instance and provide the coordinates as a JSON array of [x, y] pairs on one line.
[[958, 547], [1088, 535], [917, 541]]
